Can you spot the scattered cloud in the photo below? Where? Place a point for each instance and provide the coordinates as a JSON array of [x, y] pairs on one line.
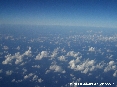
[[35, 77], [115, 73], [84, 67], [13, 80], [5, 47], [40, 80], [18, 48], [28, 76], [36, 66], [62, 58], [9, 72], [41, 55], [91, 49], [110, 66], [73, 54], [57, 68], [17, 57]]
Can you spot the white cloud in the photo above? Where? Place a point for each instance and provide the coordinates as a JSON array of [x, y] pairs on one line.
[[72, 64], [41, 55], [13, 80], [57, 68], [28, 52], [9, 72], [111, 63], [5, 47], [79, 79], [28, 76], [24, 70], [18, 48], [54, 53], [115, 73], [72, 53], [36, 66], [62, 58], [18, 57], [84, 67], [91, 49], [100, 65], [110, 66], [40, 80], [47, 71], [35, 77]]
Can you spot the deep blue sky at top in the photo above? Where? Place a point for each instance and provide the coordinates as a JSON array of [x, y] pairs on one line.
[[98, 13]]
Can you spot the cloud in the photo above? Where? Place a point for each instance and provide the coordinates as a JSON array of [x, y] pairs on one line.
[[13, 80], [28, 52], [115, 73], [28, 76], [62, 58], [47, 71], [35, 77], [40, 80], [1, 70], [100, 65], [41, 55], [84, 67], [5, 47], [54, 53], [73, 54], [57, 68], [9, 72], [18, 48], [24, 70], [17, 57], [110, 66], [36, 66], [111, 63], [92, 49]]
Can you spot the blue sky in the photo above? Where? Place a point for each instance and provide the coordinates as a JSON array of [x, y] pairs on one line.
[[96, 13]]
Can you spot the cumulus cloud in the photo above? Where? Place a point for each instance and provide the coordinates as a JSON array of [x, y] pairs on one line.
[[110, 66], [92, 49], [57, 68], [17, 57], [24, 70], [9, 72], [13, 80], [40, 80], [35, 77], [47, 71], [84, 67], [28, 52], [100, 65], [111, 63], [28, 76], [62, 58], [41, 55], [17, 81], [54, 53], [5, 47], [72, 53], [115, 73], [18, 48], [36, 66]]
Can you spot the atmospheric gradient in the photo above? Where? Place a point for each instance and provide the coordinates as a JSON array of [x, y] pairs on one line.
[[93, 13]]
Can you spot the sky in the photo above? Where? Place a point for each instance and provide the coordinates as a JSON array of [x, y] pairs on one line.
[[96, 13]]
